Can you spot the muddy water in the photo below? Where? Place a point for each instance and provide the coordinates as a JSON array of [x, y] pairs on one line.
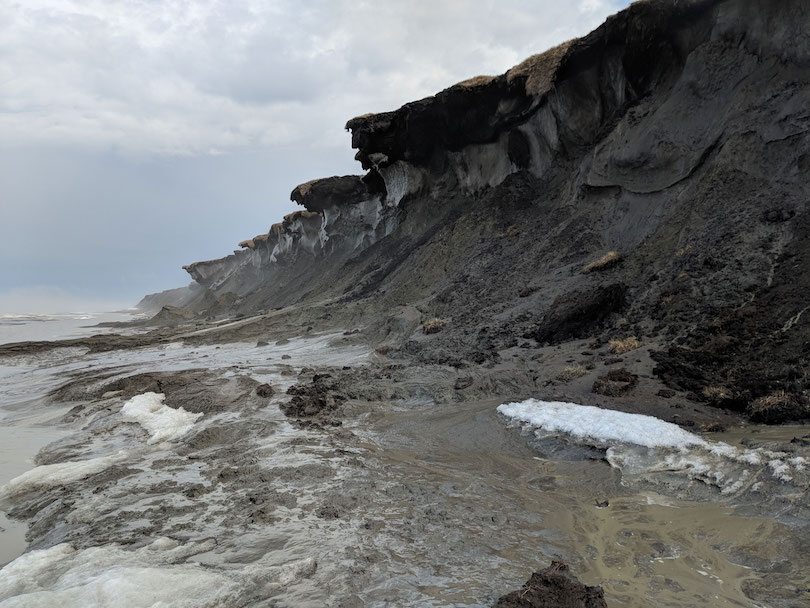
[[670, 553], [405, 504], [19, 443], [25, 428], [643, 548]]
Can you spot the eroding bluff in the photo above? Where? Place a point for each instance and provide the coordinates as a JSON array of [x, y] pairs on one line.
[[676, 135]]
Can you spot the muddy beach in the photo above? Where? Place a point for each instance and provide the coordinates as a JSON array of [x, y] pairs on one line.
[[396, 490]]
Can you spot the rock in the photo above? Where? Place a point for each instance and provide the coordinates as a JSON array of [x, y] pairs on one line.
[[554, 587], [285, 357], [262, 343], [462, 383], [265, 390], [327, 512], [171, 315], [317, 399], [577, 314]]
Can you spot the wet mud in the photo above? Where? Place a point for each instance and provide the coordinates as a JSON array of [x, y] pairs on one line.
[[402, 493]]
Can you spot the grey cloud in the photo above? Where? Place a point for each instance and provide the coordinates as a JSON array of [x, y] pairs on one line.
[[200, 77]]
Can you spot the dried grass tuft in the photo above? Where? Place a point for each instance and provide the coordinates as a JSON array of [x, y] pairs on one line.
[[716, 393], [510, 232], [779, 406], [540, 71], [619, 347], [609, 260], [572, 372], [433, 326]]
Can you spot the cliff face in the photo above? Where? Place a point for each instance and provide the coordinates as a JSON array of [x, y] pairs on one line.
[[342, 216], [676, 134]]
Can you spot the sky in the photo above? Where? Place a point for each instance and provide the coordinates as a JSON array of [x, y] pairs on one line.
[[137, 136]]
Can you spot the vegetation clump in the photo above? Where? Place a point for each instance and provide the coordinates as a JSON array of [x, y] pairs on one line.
[[433, 326], [475, 81], [779, 406], [717, 393], [510, 232], [609, 260], [615, 383], [619, 347], [572, 372]]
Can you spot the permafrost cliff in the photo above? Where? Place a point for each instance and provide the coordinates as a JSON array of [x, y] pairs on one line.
[[676, 134]]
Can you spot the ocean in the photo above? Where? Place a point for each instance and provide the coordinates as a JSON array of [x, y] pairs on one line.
[[25, 428], [58, 326]]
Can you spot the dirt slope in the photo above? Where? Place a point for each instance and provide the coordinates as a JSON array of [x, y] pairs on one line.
[[675, 135]]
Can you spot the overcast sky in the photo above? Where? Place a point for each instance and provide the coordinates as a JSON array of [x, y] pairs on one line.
[[140, 135]]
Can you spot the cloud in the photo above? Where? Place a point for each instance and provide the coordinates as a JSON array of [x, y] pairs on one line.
[[46, 299], [192, 78]]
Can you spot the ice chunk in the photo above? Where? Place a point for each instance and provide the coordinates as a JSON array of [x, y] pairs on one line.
[[604, 426], [152, 576], [58, 474], [639, 444], [108, 576], [162, 422], [781, 469]]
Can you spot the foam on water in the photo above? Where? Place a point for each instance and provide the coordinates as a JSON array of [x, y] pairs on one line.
[[151, 576], [51, 475], [162, 422], [155, 489]]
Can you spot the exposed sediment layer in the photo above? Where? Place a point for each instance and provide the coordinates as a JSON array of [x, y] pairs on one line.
[[676, 134]]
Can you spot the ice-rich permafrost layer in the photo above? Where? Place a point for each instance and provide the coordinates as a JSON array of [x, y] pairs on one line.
[[676, 134]]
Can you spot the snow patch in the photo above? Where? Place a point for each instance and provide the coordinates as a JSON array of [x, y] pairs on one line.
[[588, 422], [162, 422]]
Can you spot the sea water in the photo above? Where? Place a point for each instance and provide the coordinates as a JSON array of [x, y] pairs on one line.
[[24, 426], [58, 326]]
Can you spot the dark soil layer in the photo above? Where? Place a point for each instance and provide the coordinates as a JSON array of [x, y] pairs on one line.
[[554, 587]]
